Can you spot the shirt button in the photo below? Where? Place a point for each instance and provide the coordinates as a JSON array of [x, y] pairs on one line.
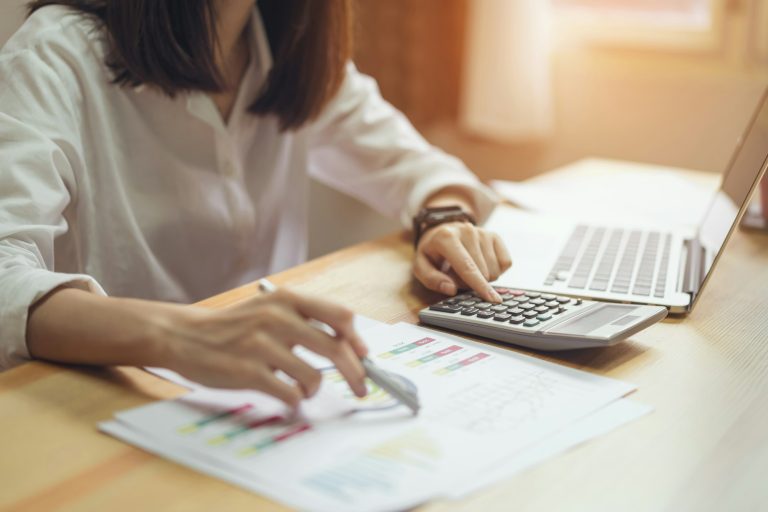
[[228, 169]]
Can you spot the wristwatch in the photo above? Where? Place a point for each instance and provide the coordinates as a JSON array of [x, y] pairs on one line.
[[430, 217]]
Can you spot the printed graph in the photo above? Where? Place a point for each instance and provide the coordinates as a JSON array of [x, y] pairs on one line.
[[463, 363], [239, 426], [380, 468], [435, 356], [377, 399], [191, 428], [504, 405], [406, 348]]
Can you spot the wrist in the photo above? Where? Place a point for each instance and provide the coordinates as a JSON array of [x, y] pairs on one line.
[[150, 332], [431, 217]]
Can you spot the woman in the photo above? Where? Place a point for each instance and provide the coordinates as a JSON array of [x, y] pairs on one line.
[[158, 151]]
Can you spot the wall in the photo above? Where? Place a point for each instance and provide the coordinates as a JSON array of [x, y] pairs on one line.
[[676, 107]]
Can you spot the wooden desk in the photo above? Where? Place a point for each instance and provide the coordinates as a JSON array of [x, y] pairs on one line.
[[704, 448]]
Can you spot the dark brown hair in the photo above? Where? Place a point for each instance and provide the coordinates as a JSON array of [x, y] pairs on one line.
[[171, 44]]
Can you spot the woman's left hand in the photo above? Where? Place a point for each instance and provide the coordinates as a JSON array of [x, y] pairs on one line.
[[459, 255]]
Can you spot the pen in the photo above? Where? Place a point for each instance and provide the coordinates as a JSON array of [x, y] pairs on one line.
[[387, 381]]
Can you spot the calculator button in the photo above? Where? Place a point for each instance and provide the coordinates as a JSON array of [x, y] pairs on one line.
[[518, 319], [541, 309], [538, 302], [515, 311], [483, 305], [543, 318], [563, 300], [521, 299], [445, 309], [484, 314], [533, 295], [467, 303], [502, 291], [469, 311], [465, 296], [517, 293], [499, 308], [530, 314], [552, 304], [548, 296], [558, 311], [502, 317], [531, 322], [526, 306], [577, 302]]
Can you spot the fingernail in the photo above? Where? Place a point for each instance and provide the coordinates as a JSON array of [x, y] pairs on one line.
[[447, 288], [494, 294]]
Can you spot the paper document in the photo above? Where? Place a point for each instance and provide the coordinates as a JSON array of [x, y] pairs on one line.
[[594, 189], [481, 406]]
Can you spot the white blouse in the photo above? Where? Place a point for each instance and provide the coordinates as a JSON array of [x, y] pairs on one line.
[[130, 193]]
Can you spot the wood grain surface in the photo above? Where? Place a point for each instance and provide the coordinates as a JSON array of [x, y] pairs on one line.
[[705, 446]]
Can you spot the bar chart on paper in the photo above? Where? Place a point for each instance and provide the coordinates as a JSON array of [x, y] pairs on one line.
[[377, 399], [432, 355]]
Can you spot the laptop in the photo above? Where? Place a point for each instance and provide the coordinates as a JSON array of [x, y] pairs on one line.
[[642, 264]]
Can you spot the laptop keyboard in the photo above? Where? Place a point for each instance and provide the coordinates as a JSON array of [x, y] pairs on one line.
[[614, 260]]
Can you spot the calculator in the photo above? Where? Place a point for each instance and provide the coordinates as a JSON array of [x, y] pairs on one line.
[[542, 321]]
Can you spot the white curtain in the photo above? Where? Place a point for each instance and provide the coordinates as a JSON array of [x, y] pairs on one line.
[[507, 90]]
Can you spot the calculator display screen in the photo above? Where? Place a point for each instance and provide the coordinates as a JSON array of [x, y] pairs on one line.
[[594, 320]]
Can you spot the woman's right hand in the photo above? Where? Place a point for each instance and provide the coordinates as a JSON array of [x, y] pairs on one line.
[[245, 345]]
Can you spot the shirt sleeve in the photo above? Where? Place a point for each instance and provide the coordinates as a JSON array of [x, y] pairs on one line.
[[364, 147], [39, 141]]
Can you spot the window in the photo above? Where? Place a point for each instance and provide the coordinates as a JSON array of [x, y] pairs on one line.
[[667, 24]]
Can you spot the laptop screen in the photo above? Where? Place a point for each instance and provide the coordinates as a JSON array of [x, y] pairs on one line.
[[738, 182]]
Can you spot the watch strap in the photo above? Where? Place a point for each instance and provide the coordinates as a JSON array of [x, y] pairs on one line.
[[434, 216]]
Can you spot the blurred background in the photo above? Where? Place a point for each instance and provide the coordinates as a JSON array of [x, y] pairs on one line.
[[518, 87]]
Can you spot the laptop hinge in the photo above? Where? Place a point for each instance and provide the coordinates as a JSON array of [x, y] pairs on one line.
[[694, 267]]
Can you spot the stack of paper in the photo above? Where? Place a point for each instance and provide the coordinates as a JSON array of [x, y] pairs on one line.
[[628, 192], [486, 413]]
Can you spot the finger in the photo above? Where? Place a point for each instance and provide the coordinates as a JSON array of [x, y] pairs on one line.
[[349, 365], [489, 253], [426, 272], [502, 254], [290, 328], [471, 240], [221, 370], [464, 266], [308, 378], [267, 382], [339, 318]]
